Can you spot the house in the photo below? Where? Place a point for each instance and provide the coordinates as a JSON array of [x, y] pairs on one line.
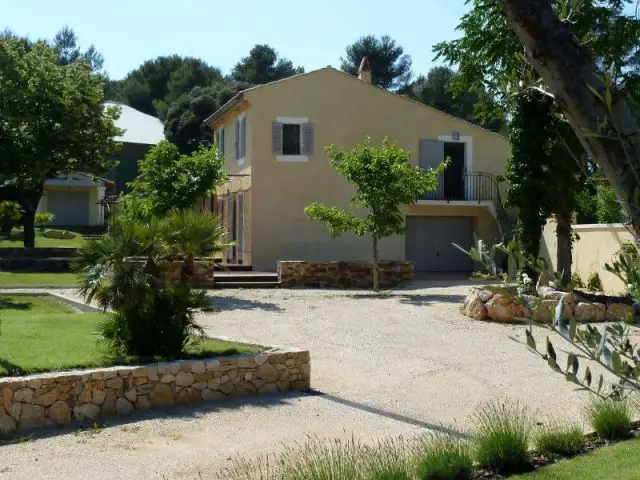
[[141, 132], [273, 138], [77, 200]]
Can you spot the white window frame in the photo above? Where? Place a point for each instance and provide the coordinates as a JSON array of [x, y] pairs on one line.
[[241, 148], [468, 154], [294, 121], [219, 134]]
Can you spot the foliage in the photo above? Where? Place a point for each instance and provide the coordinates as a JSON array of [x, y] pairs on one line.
[[484, 256], [262, 65], [54, 121], [502, 435], [576, 280], [610, 418], [10, 215], [125, 271], [187, 234], [42, 219], [384, 181], [626, 266], [594, 284], [608, 207], [390, 66], [442, 457], [169, 180], [435, 90], [184, 125], [556, 438]]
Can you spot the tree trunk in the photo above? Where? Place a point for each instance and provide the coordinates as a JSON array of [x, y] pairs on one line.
[[572, 77], [30, 205], [376, 279], [563, 255]]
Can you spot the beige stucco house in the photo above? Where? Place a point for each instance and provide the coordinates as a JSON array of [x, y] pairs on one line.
[[273, 138]]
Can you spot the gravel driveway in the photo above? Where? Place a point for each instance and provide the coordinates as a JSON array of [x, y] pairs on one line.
[[386, 364]]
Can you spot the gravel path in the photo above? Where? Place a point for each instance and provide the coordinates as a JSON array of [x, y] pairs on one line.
[[387, 364]]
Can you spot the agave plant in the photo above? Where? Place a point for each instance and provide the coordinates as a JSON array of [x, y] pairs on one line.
[[483, 255]]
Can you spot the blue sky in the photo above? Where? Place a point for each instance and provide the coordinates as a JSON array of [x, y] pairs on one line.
[[310, 33]]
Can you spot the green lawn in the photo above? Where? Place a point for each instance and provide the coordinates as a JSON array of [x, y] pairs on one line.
[[615, 462], [42, 241], [38, 279], [41, 334]]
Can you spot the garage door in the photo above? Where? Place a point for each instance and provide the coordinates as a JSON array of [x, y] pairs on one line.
[[429, 243], [71, 207]]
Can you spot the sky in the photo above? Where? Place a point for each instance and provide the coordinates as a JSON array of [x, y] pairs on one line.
[[311, 33]]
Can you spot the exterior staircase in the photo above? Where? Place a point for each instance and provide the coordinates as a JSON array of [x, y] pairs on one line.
[[243, 276]]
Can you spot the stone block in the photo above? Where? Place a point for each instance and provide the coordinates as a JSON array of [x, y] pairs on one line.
[[198, 366], [619, 311], [59, 412], [24, 395], [31, 416], [124, 407], [167, 378], [185, 379], [143, 403], [87, 411], [504, 308], [85, 395], [47, 399], [131, 394], [115, 383], [161, 395], [267, 372], [209, 395], [188, 395], [590, 312]]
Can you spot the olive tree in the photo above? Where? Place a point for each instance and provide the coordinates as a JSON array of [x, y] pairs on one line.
[[384, 182]]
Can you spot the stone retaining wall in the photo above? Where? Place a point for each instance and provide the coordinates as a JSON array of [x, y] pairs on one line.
[[351, 274], [62, 397]]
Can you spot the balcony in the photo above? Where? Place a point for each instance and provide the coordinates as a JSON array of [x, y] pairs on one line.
[[470, 187]]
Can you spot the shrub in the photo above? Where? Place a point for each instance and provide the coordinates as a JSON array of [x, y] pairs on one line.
[[576, 280], [389, 460], [610, 418], [323, 460], [442, 457], [10, 216], [42, 219], [593, 282], [609, 209], [558, 439], [502, 433]]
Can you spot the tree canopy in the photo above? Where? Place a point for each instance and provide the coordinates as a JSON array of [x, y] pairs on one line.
[[390, 66], [53, 120], [262, 65]]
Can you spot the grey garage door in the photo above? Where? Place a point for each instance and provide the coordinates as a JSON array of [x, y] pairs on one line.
[[429, 243], [71, 207]]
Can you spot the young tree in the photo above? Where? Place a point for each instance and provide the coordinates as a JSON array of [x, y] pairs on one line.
[[262, 65], [390, 66], [171, 181], [384, 181], [53, 122]]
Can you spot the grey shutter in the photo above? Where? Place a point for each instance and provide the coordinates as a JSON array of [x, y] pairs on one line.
[[276, 138], [307, 139], [431, 153], [230, 227], [222, 141], [237, 138], [243, 137], [240, 208]]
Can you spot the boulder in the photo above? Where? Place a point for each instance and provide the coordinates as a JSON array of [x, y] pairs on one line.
[[59, 234], [474, 306], [504, 308], [548, 293], [546, 310], [620, 311], [589, 312]]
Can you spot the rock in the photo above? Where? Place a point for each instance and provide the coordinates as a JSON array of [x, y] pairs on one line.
[[143, 403], [140, 373], [140, 381], [167, 378], [484, 295], [59, 234], [24, 395], [474, 307], [546, 310], [267, 372], [86, 411], [35, 383], [208, 395], [98, 396], [7, 396], [124, 407], [188, 395], [108, 406], [198, 367], [115, 383], [268, 388], [15, 411], [131, 395], [85, 395], [31, 416], [548, 293], [615, 312], [59, 412], [161, 395], [589, 312], [226, 387], [152, 374], [212, 365], [7, 424], [185, 379], [504, 308], [48, 398]]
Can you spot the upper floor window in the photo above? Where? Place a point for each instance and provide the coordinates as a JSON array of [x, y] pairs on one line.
[[292, 139], [219, 139], [241, 138]]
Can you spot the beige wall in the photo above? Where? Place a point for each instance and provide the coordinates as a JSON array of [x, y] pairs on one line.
[[597, 245], [343, 111]]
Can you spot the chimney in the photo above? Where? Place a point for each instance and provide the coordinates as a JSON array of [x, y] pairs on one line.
[[364, 72]]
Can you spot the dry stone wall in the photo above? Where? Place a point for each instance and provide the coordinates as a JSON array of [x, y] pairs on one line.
[[351, 274], [59, 398]]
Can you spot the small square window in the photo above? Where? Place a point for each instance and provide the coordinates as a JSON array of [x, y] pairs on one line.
[[291, 144]]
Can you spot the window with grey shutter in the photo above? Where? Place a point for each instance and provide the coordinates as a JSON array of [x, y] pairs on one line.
[[431, 156], [243, 136], [221, 144], [276, 138], [237, 138], [307, 139]]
